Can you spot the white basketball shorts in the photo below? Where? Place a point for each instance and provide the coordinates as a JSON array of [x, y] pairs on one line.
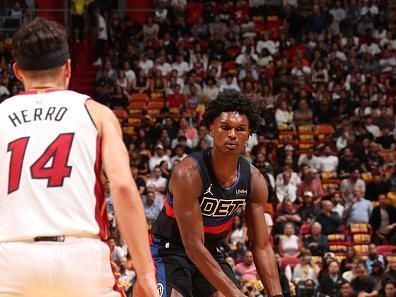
[[77, 267]]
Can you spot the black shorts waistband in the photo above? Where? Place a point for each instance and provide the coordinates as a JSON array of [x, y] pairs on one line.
[[60, 238]]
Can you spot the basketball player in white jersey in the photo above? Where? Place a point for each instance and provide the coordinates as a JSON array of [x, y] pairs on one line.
[[54, 144]]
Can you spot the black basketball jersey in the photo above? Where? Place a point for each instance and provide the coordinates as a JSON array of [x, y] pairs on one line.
[[218, 204]]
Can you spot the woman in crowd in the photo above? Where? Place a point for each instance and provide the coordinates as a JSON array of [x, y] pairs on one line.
[[158, 85], [389, 289], [238, 231], [351, 256], [306, 269], [122, 81], [142, 82], [289, 243]]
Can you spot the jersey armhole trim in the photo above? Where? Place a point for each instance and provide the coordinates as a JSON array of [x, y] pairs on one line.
[[89, 114], [200, 173], [250, 168]]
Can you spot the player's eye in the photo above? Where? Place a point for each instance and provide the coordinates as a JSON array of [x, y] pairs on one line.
[[241, 129], [225, 127]]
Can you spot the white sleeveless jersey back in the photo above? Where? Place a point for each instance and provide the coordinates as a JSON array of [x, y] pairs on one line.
[[49, 168]]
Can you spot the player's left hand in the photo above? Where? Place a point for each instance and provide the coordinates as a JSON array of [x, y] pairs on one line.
[[145, 286]]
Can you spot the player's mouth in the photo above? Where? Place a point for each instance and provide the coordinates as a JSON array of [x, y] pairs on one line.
[[231, 145]]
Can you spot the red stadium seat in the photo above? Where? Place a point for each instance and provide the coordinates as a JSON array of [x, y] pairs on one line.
[[336, 237], [385, 250], [361, 238], [360, 228], [362, 249], [134, 120], [338, 246], [154, 108], [137, 107], [287, 135], [140, 97], [120, 114], [324, 132]]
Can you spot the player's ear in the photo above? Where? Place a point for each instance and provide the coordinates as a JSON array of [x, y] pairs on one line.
[[68, 68], [17, 72], [211, 129]]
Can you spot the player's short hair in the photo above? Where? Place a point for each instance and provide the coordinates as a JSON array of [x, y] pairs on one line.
[[40, 45], [231, 101]]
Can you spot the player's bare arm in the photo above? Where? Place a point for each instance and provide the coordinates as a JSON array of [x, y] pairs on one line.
[[186, 187], [126, 198], [263, 254]]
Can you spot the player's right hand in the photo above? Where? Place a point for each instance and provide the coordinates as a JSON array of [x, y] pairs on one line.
[[145, 286]]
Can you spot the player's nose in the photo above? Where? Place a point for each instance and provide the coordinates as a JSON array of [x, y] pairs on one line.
[[232, 133]]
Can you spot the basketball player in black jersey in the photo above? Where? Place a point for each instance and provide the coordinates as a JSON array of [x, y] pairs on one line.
[[204, 193]]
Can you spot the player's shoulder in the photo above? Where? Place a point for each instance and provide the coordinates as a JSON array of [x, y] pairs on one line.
[[185, 177], [97, 107], [258, 181], [255, 173], [187, 168]]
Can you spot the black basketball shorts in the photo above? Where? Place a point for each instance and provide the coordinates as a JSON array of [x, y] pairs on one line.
[[174, 270]]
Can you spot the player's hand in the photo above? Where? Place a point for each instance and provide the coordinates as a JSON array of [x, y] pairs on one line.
[[146, 286]]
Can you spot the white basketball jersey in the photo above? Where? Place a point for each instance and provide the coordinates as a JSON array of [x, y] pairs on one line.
[[49, 167]]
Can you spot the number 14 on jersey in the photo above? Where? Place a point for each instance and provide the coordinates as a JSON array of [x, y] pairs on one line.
[[51, 165]]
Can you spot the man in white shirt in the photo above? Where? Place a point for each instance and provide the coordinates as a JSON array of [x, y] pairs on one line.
[[267, 43], [372, 9], [180, 66], [370, 47], [372, 128], [300, 70], [145, 63], [229, 84], [163, 66], [294, 178], [247, 54], [158, 157], [129, 73], [309, 159], [286, 189], [387, 61], [179, 154], [157, 182], [338, 12], [101, 37], [353, 181], [328, 162]]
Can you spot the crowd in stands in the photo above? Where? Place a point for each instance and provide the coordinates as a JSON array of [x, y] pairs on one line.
[[323, 76]]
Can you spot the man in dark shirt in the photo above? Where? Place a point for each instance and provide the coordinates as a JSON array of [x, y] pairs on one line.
[[364, 282], [140, 182], [347, 163], [346, 289], [330, 284], [308, 210], [376, 187], [383, 222], [329, 219]]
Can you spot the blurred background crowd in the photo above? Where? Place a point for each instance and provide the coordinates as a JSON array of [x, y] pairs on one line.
[[322, 74]]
